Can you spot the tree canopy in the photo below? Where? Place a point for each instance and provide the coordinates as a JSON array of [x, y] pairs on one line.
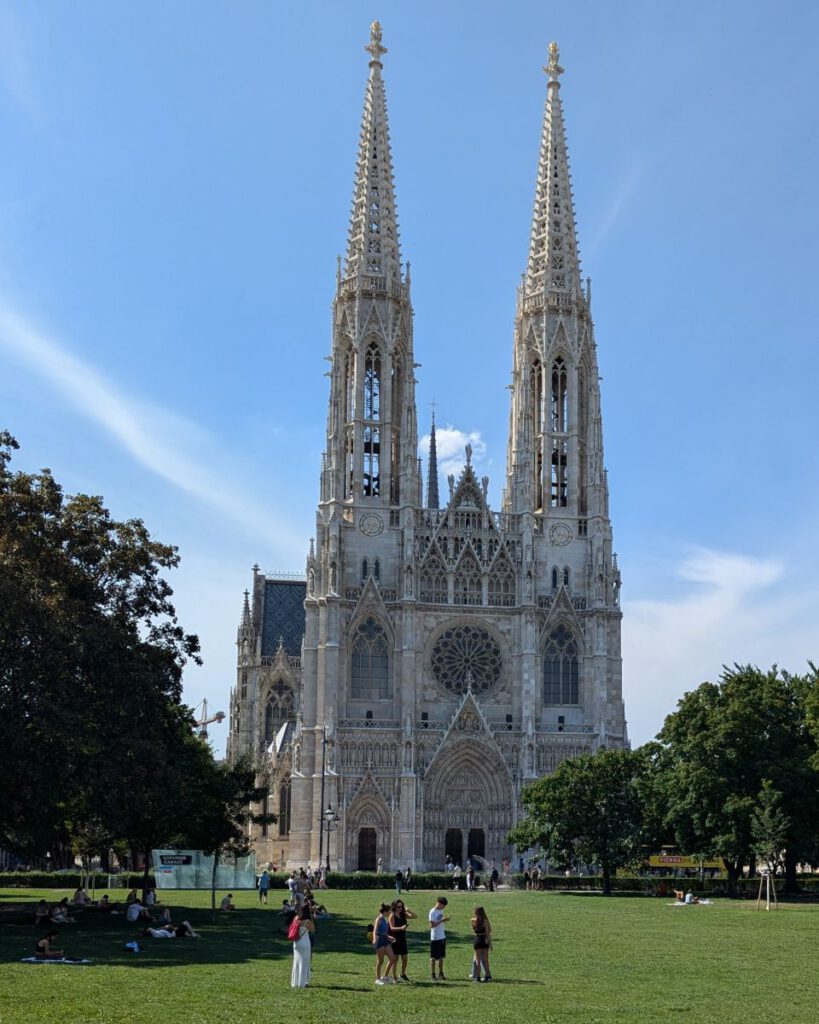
[[718, 750], [589, 810], [96, 747]]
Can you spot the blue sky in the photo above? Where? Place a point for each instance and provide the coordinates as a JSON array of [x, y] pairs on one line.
[[175, 186]]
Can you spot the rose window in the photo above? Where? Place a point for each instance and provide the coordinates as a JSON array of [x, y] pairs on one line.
[[467, 657]]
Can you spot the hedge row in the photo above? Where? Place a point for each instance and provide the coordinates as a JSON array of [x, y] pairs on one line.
[[67, 880], [746, 887]]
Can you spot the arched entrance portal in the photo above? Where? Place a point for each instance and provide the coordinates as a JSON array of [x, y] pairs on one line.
[[468, 801]]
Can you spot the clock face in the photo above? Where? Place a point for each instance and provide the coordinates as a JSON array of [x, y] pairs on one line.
[[560, 534], [371, 524]]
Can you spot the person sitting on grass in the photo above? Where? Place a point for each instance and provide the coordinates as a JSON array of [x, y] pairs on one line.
[[80, 897], [42, 912], [60, 915], [44, 949], [132, 896], [679, 895], [227, 903], [136, 912]]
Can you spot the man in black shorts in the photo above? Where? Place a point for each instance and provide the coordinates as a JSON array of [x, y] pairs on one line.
[[437, 938]]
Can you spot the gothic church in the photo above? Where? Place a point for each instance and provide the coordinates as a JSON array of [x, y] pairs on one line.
[[437, 655]]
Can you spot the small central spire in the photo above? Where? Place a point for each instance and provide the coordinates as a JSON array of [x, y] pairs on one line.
[[376, 49], [433, 500]]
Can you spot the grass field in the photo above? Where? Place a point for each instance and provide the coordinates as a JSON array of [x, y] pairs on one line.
[[556, 958]]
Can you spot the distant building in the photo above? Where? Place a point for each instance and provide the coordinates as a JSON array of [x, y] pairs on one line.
[[438, 655]]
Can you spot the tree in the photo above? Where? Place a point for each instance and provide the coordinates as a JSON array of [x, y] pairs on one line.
[[769, 825], [91, 658], [717, 749], [589, 809], [220, 827]]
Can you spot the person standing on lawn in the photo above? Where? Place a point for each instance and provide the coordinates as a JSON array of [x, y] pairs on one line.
[[264, 886], [437, 938], [400, 914], [383, 943]]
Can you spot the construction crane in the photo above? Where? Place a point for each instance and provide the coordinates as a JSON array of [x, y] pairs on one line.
[[203, 720]]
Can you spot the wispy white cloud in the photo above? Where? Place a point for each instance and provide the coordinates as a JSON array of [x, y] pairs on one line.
[[16, 75], [157, 438], [618, 203], [450, 443], [731, 608]]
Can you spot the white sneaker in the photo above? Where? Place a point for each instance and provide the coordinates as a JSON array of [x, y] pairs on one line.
[[381, 981]]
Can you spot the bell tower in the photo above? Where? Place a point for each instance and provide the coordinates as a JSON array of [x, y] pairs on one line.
[[555, 451]]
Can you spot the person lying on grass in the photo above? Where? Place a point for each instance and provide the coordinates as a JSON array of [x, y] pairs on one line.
[[171, 931], [44, 949]]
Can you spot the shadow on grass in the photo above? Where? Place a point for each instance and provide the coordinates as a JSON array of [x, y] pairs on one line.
[[247, 934]]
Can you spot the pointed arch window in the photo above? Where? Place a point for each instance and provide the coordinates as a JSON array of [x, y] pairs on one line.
[[468, 587], [371, 474], [396, 405], [501, 587], [284, 808], [536, 398], [559, 397], [561, 668], [370, 665], [279, 708], [348, 401], [433, 582]]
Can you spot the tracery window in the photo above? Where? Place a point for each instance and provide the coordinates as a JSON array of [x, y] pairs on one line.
[[279, 708], [561, 668], [559, 397], [370, 665], [468, 587], [559, 476], [467, 656], [501, 590], [433, 582], [372, 413]]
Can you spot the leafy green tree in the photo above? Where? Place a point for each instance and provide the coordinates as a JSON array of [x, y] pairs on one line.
[[91, 658], [770, 825], [589, 809], [716, 750], [220, 827]]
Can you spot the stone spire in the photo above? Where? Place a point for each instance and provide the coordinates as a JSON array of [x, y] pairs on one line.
[[246, 625], [554, 264], [372, 246], [433, 500]]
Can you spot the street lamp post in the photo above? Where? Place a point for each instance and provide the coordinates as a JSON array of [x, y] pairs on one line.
[[331, 819]]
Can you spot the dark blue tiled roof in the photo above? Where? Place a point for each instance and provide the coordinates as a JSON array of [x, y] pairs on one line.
[[283, 615]]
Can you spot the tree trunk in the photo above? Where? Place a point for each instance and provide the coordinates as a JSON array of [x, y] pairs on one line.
[[145, 875], [791, 887], [733, 874], [606, 880], [213, 880]]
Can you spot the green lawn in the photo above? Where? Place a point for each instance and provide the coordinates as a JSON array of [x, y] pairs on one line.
[[556, 958]]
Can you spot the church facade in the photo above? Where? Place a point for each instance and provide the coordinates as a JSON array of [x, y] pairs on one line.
[[438, 654]]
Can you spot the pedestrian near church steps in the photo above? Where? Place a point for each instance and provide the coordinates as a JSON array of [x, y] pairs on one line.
[[437, 938]]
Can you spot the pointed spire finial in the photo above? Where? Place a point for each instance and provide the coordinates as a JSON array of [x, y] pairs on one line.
[[376, 49], [553, 68], [433, 499]]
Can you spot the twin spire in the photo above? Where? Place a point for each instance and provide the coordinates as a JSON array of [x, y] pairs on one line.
[[372, 247], [554, 264]]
